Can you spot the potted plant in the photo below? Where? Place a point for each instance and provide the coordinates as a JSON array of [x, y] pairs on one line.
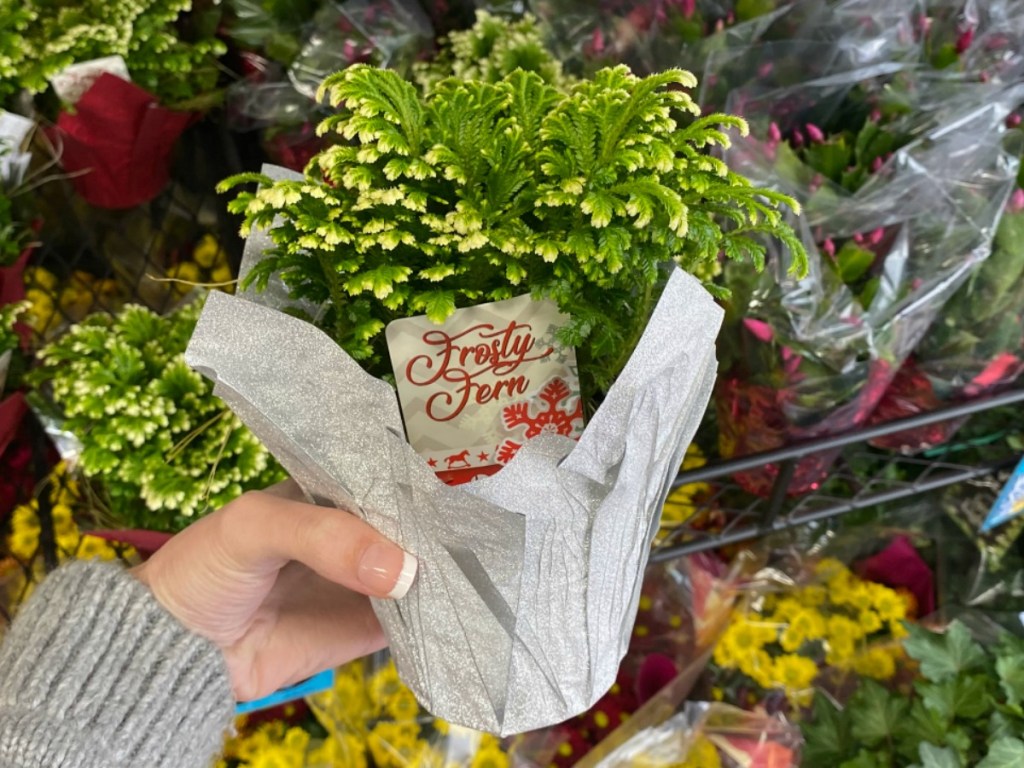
[[479, 191], [867, 158], [137, 83], [157, 446], [975, 347], [495, 46]]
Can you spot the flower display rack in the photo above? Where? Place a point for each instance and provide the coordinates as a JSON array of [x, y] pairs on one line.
[[91, 259], [861, 477]]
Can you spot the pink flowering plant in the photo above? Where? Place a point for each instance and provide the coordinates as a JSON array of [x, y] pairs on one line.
[[649, 35], [886, 172]]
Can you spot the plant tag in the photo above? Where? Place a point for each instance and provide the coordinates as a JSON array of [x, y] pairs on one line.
[[1010, 503], [73, 81], [474, 389]]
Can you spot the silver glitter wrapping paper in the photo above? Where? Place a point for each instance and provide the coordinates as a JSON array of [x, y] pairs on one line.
[[529, 580]]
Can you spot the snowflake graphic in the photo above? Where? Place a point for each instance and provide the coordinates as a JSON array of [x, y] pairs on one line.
[[561, 353], [553, 418]]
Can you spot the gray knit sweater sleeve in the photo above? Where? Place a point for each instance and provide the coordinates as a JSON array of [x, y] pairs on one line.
[[94, 672]]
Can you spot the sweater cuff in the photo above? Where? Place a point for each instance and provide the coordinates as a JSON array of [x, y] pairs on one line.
[[95, 668]]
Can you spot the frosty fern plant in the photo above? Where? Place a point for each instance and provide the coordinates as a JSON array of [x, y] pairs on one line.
[[493, 48], [49, 35], [482, 191], [8, 336], [160, 448]]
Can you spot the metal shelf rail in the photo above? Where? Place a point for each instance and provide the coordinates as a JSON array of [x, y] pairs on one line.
[[890, 477]]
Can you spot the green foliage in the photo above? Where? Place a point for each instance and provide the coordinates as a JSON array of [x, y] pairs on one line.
[[481, 191], [14, 232], [272, 26], [8, 314], [982, 319], [161, 448], [964, 711], [51, 34], [492, 49]]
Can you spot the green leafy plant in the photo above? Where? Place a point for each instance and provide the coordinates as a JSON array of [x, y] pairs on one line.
[[492, 49], [482, 191], [8, 314], [51, 34], [15, 233], [158, 446], [965, 710]]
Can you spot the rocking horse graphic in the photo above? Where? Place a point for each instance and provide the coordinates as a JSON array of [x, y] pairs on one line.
[[458, 459]]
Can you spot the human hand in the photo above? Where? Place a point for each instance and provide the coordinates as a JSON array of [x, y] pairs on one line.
[[279, 585]]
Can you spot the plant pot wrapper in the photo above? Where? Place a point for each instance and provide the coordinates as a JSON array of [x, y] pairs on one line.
[[982, 39], [684, 606], [798, 42], [267, 101], [385, 33], [974, 348], [826, 344], [648, 35], [710, 734], [117, 145], [530, 578], [802, 41]]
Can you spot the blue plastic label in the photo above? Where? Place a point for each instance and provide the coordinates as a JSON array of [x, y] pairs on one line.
[[319, 683], [1010, 503]]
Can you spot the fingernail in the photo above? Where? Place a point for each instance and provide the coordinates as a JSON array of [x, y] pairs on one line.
[[387, 570]]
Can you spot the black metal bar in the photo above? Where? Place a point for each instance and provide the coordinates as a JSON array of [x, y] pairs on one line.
[[861, 435], [935, 482], [779, 491], [44, 507]]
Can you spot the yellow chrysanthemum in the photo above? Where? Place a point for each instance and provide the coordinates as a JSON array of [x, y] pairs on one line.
[[489, 755], [392, 743], [680, 506], [841, 628], [745, 636], [869, 621], [889, 605], [702, 754], [759, 667], [804, 626], [92, 547], [839, 652], [785, 609], [794, 673], [403, 705], [384, 683], [342, 750], [813, 596], [828, 568], [876, 662]]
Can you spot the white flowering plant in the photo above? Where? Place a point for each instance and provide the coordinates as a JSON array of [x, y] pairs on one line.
[[479, 191], [158, 446], [41, 37]]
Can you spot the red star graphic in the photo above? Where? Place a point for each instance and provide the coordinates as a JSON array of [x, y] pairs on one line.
[[483, 456], [432, 462]]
